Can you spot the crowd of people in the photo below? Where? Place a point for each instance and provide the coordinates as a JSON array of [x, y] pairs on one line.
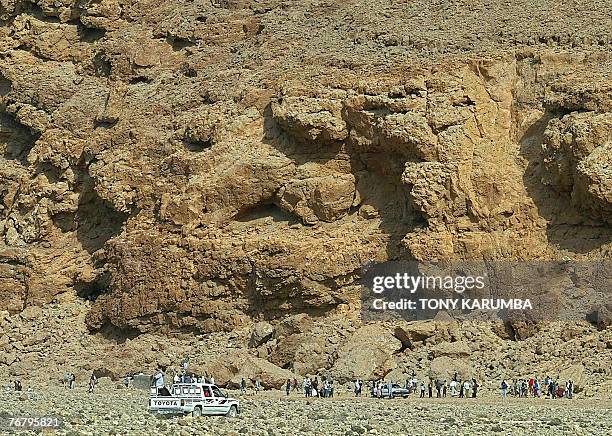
[[324, 387], [520, 388], [549, 387], [312, 387], [425, 388]]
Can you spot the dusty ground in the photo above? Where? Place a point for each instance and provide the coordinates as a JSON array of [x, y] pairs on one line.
[[208, 178], [124, 412]]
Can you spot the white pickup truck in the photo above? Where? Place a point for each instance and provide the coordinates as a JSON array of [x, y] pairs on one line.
[[195, 398]]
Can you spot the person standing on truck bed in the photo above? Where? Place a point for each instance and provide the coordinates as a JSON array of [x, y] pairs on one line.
[[158, 379]]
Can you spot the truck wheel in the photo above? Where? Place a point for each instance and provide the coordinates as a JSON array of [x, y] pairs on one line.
[[197, 412], [232, 412]]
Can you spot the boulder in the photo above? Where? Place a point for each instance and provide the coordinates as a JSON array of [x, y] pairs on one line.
[[261, 332], [299, 323], [367, 354], [305, 352], [311, 119], [451, 349], [444, 368], [601, 316], [577, 156], [231, 367], [577, 374], [326, 198], [418, 331]]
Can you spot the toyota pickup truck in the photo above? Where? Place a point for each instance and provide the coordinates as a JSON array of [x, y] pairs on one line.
[[195, 398]]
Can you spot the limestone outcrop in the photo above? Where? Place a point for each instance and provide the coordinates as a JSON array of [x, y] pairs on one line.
[[216, 168]]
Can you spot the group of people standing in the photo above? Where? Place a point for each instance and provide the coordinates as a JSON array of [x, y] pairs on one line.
[[442, 388], [523, 388], [243, 386], [312, 387], [457, 388], [69, 380]]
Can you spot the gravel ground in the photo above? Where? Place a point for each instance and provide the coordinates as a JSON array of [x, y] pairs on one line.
[[123, 412]]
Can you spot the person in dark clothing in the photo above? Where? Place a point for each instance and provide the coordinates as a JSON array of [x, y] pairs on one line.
[[444, 387], [430, 389], [92, 383], [288, 387], [461, 389], [475, 387]]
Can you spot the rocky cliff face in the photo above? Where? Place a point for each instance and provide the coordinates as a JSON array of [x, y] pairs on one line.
[[194, 167]]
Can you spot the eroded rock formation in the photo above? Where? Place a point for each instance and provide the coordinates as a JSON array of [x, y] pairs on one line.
[[197, 167]]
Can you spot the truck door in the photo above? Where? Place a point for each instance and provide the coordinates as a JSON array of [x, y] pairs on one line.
[[209, 403], [221, 402]]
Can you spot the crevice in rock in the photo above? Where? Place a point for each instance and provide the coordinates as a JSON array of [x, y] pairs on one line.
[[116, 334], [5, 85], [264, 210], [65, 221], [90, 34], [16, 139], [140, 79], [178, 43], [95, 220], [188, 71], [105, 123], [197, 146], [51, 172], [102, 65], [92, 290], [31, 8]]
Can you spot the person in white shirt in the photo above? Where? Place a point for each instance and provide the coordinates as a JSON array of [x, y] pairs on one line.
[[158, 379]]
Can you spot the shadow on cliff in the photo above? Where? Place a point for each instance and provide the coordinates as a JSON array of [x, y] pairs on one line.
[[377, 174], [17, 139], [567, 227], [95, 221]]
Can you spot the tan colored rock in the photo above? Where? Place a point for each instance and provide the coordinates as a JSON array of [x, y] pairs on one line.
[[229, 369], [444, 368], [195, 167], [311, 119], [325, 198], [261, 332], [577, 374], [417, 331], [577, 160], [451, 349], [367, 354]]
